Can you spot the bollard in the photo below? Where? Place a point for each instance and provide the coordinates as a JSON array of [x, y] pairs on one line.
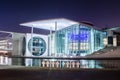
[[52, 63], [73, 64], [57, 64], [43, 63], [67, 64], [78, 64], [47, 63]]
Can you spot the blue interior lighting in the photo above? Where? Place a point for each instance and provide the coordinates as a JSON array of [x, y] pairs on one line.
[[81, 37]]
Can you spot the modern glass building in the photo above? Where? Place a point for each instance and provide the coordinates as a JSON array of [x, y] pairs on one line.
[[77, 40], [70, 38]]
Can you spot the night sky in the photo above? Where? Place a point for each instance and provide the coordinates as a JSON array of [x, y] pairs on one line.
[[102, 13]]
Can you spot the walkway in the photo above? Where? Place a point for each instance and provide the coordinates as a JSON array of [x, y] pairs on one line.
[[58, 74]]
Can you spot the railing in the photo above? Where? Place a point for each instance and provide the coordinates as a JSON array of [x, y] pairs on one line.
[[63, 62]]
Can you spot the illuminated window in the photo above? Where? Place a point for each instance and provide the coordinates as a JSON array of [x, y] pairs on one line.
[[39, 46]]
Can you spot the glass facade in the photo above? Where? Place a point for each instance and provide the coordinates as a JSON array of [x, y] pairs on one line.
[[76, 40]]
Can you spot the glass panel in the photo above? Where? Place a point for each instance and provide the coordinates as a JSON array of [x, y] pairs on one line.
[[78, 40]]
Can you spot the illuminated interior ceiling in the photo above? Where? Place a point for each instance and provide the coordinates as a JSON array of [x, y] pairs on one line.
[[50, 24]]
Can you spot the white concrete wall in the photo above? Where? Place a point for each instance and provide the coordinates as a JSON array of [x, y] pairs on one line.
[[17, 43]]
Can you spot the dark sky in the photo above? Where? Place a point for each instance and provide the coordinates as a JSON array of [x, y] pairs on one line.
[[102, 13]]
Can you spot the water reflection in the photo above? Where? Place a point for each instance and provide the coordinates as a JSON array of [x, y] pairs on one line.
[[58, 63]]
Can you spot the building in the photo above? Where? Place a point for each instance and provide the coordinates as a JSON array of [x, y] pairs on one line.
[[6, 47], [66, 38], [113, 36]]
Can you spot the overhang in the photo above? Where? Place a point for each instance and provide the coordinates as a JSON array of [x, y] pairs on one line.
[[50, 23]]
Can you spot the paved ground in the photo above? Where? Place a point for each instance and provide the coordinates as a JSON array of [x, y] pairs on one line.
[[58, 74]]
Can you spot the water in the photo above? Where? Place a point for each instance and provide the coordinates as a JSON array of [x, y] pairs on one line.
[[61, 63]]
